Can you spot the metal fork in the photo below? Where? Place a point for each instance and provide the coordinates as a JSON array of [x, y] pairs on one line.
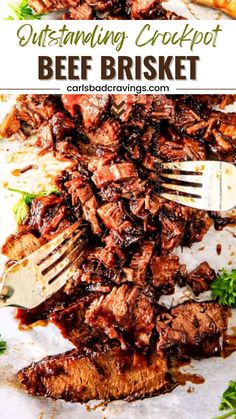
[[35, 278], [207, 185]]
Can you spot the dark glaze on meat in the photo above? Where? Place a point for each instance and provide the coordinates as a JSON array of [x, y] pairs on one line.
[[112, 183], [105, 9], [109, 373]]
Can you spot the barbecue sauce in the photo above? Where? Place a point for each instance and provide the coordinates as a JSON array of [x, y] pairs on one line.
[[183, 377], [218, 249], [229, 343]]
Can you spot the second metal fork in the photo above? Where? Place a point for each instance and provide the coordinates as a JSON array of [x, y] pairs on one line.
[[207, 185], [35, 278]]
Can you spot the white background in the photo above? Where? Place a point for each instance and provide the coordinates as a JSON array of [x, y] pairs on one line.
[[216, 69]]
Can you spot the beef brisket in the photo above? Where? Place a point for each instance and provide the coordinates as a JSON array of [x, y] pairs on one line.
[[113, 183], [80, 12], [91, 107], [141, 9], [200, 278], [35, 109], [126, 314], [193, 328], [166, 270], [17, 246], [104, 9], [137, 270], [47, 216], [45, 6], [109, 374]]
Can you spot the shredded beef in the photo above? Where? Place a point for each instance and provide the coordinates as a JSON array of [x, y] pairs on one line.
[[125, 314], [91, 107], [165, 272], [80, 12], [105, 9], [47, 216], [44, 6], [112, 182], [35, 109], [137, 270]]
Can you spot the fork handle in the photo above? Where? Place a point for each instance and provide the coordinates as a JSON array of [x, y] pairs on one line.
[[4, 297], [3, 303]]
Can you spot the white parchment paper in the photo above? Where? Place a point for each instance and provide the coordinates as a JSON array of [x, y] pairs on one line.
[[25, 347]]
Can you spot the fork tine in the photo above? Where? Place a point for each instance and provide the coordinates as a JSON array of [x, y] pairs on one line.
[[57, 256], [59, 268], [64, 276], [187, 189], [183, 177], [53, 244], [184, 200], [191, 166]]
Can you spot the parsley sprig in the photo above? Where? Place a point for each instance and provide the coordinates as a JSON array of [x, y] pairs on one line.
[[22, 207], [22, 11], [3, 346], [224, 287], [228, 401]]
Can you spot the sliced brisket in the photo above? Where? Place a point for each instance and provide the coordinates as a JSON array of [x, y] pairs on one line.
[[108, 374], [193, 328]]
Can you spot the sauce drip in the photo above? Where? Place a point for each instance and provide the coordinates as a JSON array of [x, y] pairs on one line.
[[229, 343], [183, 377], [101, 405], [218, 249], [15, 172], [24, 328]]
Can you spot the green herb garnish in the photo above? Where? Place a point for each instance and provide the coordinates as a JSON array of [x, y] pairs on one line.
[[228, 401], [224, 287], [21, 208], [22, 11], [3, 346]]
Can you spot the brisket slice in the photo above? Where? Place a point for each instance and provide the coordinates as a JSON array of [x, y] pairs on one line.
[[103, 5], [81, 191], [106, 136], [113, 216], [200, 278], [124, 314], [62, 126], [30, 111], [107, 374], [193, 328], [114, 173]]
